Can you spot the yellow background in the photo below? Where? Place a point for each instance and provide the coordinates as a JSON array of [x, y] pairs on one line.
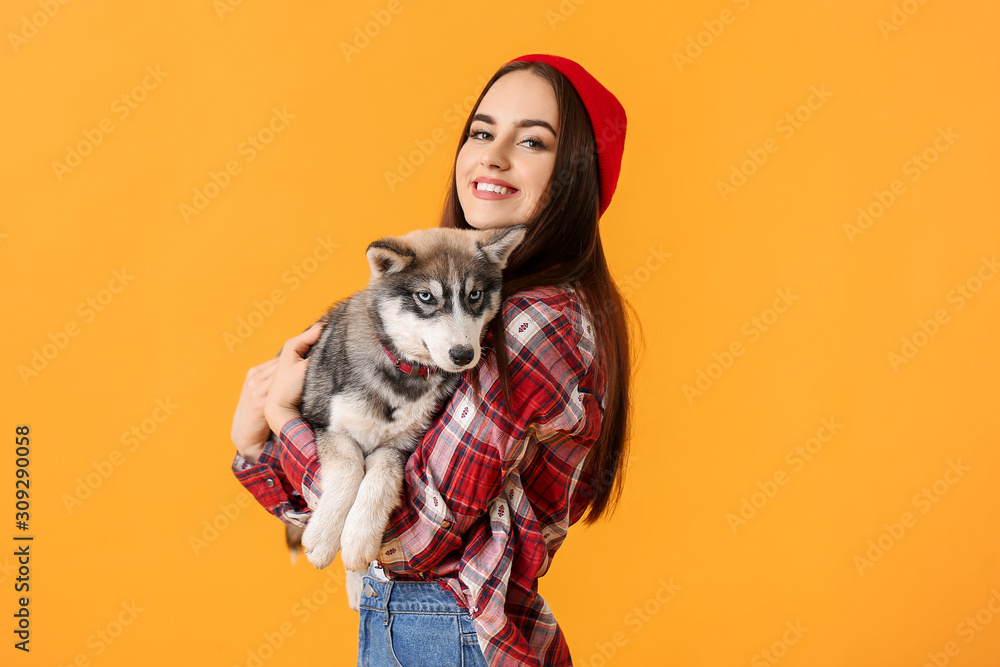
[[888, 92]]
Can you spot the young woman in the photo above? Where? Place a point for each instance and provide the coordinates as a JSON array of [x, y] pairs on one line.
[[535, 436]]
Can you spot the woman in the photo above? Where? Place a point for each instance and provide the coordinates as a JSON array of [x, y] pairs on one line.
[[534, 437]]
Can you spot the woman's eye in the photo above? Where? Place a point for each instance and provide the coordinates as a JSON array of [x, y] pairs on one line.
[[530, 142], [426, 297], [475, 295]]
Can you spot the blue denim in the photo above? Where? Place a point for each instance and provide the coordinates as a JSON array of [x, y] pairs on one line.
[[423, 626]]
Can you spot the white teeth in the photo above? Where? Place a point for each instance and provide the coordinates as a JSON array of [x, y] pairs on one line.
[[489, 187]]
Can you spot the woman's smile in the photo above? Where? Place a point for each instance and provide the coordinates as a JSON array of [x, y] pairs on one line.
[[492, 188]]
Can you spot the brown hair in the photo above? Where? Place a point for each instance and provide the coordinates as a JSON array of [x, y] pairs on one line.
[[562, 245]]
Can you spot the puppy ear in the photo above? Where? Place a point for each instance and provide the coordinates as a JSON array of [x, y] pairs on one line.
[[389, 255], [498, 244]]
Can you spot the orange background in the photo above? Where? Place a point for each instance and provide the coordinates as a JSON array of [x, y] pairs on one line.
[[699, 264]]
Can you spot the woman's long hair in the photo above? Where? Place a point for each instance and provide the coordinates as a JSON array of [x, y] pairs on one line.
[[563, 245]]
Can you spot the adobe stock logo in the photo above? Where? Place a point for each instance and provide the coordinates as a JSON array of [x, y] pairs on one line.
[[104, 468], [566, 9], [218, 181], [915, 166], [214, 527], [924, 500], [797, 457], [381, 18], [696, 44], [968, 629], [633, 282], [778, 649], [723, 361], [123, 106], [60, 339], [223, 7], [962, 293], [295, 276], [101, 640], [899, 17], [38, 20], [270, 643], [636, 620], [787, 126]]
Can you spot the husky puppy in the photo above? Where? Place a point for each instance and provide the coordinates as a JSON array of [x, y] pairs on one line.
[[387, 358]]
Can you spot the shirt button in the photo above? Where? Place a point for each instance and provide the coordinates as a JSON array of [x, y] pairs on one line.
[[269, 483], [446, 524]]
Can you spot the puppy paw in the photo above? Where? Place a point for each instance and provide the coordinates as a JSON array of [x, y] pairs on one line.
[[319, 545], [358, 555], [321, 556]]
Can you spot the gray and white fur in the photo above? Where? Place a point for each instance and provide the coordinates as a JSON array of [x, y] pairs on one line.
[[430, 295]]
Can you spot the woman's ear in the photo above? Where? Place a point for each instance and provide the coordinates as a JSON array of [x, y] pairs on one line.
[[389, 255], [497, 244]]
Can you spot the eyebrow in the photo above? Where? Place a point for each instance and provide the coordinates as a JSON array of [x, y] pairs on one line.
[[527, 122]]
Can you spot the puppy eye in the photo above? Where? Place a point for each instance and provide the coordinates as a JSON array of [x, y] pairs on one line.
[[426, 297], [475, 295]]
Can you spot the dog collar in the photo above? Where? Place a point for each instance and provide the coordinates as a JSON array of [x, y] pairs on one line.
[[409, 369]]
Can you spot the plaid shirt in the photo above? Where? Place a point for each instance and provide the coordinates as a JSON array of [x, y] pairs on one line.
[[488, 497]]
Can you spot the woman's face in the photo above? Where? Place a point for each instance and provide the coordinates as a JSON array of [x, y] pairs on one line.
[[512, 144]]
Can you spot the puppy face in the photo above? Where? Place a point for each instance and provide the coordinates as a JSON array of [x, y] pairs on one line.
[[435, 290]]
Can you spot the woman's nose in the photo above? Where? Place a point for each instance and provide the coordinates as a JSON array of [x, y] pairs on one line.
[[494, 156]]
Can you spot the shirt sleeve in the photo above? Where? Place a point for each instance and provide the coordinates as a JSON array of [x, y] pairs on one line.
[[460, 466], [299, 461], [266, 482]]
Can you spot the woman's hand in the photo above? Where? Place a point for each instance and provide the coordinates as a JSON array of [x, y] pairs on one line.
[[250, 429], [270, 395], [282, 402]]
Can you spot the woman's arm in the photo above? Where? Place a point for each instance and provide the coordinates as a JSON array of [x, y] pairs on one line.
[[250, 430], [269, 485], [268, 402], [460, 466]]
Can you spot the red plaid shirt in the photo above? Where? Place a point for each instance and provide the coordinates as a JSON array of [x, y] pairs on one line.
[[487, 498]]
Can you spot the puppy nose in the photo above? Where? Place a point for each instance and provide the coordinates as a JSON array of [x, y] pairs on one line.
[[461, 355]]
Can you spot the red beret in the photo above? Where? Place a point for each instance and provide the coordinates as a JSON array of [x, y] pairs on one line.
[[607, 117]]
